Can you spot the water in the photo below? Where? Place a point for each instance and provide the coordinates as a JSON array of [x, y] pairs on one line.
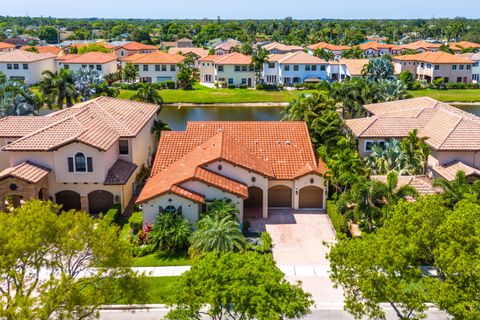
[[177, 117], [473, 108]]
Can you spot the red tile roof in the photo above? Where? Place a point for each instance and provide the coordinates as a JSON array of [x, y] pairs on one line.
[[44, 49], [137, 46], [24, 56], [234, 58], [449, 171], [88, 58], [464, 45], [421, 45], [328, 46], [157, 57], [4, 45], [438, 57], [26, 171], [374, 45], [281, 47], [185, 51], [298, 57]]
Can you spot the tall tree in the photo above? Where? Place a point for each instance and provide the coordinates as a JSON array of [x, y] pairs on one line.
[[377, 69], [59, 88], [130, 72], [148, 93]]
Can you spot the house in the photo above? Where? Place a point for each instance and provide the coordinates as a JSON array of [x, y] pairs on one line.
[[433, 65], [452, 135], [180, 43], [256, 165], [419, 46], [422, 183], [6, 47], [346, 68], [337, 50], [280, 48], [234, 69], [375, 49], [84, 157], [26, 66], [45, 49], [226, 47], [194, 53], [155, 67], [475, 58], [462, 45], [104, 63], [294, 67], [133, 47]]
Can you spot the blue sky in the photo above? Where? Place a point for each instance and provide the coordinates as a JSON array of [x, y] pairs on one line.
[[243, 9]]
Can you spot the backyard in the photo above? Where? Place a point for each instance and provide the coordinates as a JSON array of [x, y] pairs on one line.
[[457, 95]]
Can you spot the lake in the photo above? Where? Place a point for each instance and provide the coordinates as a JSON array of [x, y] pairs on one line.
[[473, 108], [177, 117]]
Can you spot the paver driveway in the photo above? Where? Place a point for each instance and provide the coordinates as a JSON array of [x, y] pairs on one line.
[[298, 250]]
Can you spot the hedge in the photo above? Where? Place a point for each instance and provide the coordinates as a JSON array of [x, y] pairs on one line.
[[338, 220], [136, 221]]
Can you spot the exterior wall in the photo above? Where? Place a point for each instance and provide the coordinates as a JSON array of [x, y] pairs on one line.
[[237, 76], [207, 68], [190, 209], [24, 189], [184, 44], [271, 75], [426, 70], [151, 75], [306, 181], [362, 152], [142, 146], [470, 158], [106, 68], [33, 74], [287, 77], [476, 71], [337, 72], [221, 52]]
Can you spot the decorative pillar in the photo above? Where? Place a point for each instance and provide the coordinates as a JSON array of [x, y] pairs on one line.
[[84, 203], [265, 202]]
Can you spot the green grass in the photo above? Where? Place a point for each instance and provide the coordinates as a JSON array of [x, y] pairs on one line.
[[161, 259], [206, 95], [453, 95], [161, 289]]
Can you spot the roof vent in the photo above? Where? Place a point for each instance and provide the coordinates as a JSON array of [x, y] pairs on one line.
[[287, 142]]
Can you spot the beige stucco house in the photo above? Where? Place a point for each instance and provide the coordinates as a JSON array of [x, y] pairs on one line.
[[26, 66], [256, 165], [453, 135], [228, 69], [84, 157], [104, 63]]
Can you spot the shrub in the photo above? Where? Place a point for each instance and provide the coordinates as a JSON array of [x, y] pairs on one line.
[[265, 86], [265, 245], [461, 85], [143, 250], [136, 221], [337, 219], [170, 232], [222, 208], [243, 86], [113, 214], [231, 86]]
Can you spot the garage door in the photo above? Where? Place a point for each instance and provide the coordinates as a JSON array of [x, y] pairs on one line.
[[99, 201], [68, 199], [255, 197], [280, 197], [163, 79], [310, 197]]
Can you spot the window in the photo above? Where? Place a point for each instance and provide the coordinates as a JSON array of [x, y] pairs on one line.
[[369, 144], [84, 66], [454, 67], [437, 67], [295, 67], [25, 66], [469, 67], [17, 78], [244, 68], [446, 79], [80, 163], [244, 81], [9, 66], [91, 67], [99, 67], [15, 66], [323, 67], [66, 66], [307, 67], [170, 209], [237, 68], [314, 67], [220, 68], [251, 67], [271, 65], [287, 68], [459, 79], [157, 67], [476, 64], [422, 65], [230, 80], [172, 67], [461, 67], [429, 66], [164, 67], [145, 67], [123, 146]]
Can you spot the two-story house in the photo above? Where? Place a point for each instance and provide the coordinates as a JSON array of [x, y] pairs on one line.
[[433, 65], [452, 135], [475, 58], [104, 63], [129, 48], [374, 49], [230, 69], [226, 47], [26, 66], [295, 67], [155, 67], [280, 48], [84, 157], [337, 50], [194, 53]]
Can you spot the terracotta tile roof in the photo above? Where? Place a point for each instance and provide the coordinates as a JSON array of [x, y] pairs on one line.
[[210, 58], [187, 194], [120, 172], [298, 57], [280, 150], [449, 170], [433, 57], [184, 40], [374, 45], [421, 45], [327, 46], [234, 58], [422, 184], [227, 46], [99, 123], [354, 66], [89, 57], [157, 57], [281, 47], [463, 45], [470, 56], [202, 53], [26, 171], [4, 45], [137, 46], [400, 105], [24, 56], [44, 49], [19, 126]]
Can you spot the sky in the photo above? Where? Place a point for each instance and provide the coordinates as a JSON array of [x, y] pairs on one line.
[[243, 9]]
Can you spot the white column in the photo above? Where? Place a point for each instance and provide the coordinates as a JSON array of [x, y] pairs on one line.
[[265, 202]]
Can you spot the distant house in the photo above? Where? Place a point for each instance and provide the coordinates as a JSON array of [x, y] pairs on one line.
[[45, 49], [155, 67], [337, 50], [85, 157], [345, 68], [104, 63], [256, 165], [459, 46], [26, 66], [133, 47], [280, 48], [475, 58], [226, 47], [195, 53], [6, 47], [293, 68], [180, 43], [374, 49], [419, 46], [230, 69], [433, 65], [452, 135]]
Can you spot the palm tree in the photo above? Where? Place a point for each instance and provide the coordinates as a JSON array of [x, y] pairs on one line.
[[104, 89], [86, 81], [16, 99], [353, 53], [324, 54], [390, 90], [453, 191], [385, 158], [217, 234], [378, 68], [59, 87], [158, 127], [148, 93], [415, 153], [258, 59]]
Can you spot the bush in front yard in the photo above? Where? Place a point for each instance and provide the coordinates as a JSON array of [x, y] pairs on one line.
[[338, 220], [170, 232], [136, 221]]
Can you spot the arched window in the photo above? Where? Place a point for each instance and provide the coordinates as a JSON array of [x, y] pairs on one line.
[[80, 162], [170, 209]]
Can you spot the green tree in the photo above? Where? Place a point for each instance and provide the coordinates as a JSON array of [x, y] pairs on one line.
[[377, 69], [48, 34], [414, 153], [104, 89], [32, 49], [43, 255], [324, 54], [237, 286], [170, 232], [407, 78], [353, 53], [188, 75], [59, 88], [158, 127], [130, 72], [16, 99], [258, 59], [453, 191], [146, 92], [93, 47], [222, 209]]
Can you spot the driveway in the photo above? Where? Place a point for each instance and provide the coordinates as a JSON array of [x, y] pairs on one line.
[[299, 252]]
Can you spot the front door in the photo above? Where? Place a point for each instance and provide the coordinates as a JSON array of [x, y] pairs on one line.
[[249, 82]]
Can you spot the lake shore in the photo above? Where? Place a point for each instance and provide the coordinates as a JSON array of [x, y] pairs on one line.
[[226, 105]]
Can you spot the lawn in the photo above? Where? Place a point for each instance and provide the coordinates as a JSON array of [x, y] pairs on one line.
[[162, 259], [160, 291], [453, 95], [206, 95]]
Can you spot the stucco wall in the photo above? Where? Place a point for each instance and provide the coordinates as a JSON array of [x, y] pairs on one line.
[[190, 209], [34, 72], [237, 76]]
